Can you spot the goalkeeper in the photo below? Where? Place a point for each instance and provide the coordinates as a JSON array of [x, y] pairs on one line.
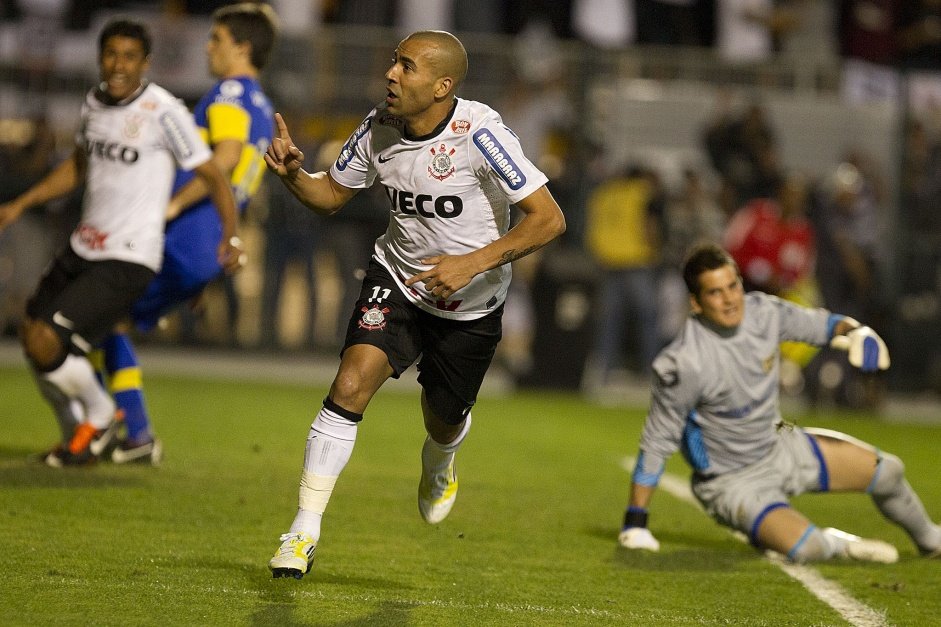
[[715, 398]]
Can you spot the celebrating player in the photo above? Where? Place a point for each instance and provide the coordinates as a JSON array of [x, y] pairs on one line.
[[438, 279], [132, 136], [236, 119], [715, 397]]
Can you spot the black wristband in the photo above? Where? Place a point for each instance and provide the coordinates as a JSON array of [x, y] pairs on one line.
[[635, 517]]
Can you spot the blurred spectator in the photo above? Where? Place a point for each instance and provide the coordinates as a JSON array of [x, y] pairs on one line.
[[624, 236], [557, 14], [847, 221], [604, 23], [771, 239], [692, 217], [743, 150], [675, 22], [292, 236], [868, 44], [27, 153], [750, 31], [848, 272], [919, 34]]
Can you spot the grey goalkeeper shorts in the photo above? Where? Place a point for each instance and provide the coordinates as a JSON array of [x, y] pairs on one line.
[[739, 499]]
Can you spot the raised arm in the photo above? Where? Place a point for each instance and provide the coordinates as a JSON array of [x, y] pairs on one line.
[[64, 178], [542, 222], [317, 191]]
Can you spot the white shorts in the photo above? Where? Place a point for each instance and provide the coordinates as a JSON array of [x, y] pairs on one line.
[[739, 499]]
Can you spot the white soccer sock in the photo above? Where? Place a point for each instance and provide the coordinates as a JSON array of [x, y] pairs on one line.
[[436, 456], [329, 446], [76, 379], [898, 502], [69, 412]]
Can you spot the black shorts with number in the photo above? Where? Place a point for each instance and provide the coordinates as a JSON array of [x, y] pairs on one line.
[[82, 300], [455, 354]]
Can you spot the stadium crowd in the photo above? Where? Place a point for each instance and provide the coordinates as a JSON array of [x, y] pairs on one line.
[[816, 237]]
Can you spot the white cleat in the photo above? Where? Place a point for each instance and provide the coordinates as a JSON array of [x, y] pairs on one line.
[[437, 489], [864, 549], [294, 557]]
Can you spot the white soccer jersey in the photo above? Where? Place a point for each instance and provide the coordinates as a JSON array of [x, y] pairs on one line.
[[449, 193], [133, 150]]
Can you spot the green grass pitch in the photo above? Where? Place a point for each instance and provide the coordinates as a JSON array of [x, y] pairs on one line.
[[531, 540]]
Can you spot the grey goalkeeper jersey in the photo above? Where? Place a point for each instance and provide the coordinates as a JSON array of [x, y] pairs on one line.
[[715, 391]]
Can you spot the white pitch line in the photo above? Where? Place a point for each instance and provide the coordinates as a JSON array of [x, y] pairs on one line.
[[833, 594]]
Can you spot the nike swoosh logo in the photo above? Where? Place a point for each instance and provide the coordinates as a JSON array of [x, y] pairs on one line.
[[381, 160], [62, 321]]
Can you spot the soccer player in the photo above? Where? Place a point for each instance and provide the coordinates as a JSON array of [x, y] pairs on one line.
[[132, 137], [715, 397], [236, 119], [439, 275]]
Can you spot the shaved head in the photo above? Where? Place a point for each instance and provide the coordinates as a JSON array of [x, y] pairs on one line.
[[445, 52]]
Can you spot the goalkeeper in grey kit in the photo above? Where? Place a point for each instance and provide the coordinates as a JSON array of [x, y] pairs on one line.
[[715, 398]]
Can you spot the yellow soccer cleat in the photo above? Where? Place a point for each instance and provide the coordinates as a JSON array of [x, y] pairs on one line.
[[294, 557], [437, 489]]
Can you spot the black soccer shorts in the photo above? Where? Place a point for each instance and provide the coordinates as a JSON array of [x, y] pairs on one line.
[[83, 300], [455, 354]]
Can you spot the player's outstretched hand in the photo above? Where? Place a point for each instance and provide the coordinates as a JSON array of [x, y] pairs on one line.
[[283, 157], [865, 349], [638, 538]]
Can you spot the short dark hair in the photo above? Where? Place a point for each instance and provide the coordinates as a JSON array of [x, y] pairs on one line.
[[704, 258], [125, 28], [253, 22]]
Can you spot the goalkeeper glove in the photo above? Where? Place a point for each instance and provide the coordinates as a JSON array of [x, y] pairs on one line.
[[865, 348], [635, 534]]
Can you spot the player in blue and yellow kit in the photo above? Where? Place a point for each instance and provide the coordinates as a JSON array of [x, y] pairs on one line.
[[236, 120]]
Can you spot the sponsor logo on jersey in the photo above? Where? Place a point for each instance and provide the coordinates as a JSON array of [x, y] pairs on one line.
[[346, 153], [387, 119], [425, 205], [441, 166], [91, 237], [112, 151], [374, 318], [495, 153], [460, 127], [178, 140], [133, 123], [767, 363]]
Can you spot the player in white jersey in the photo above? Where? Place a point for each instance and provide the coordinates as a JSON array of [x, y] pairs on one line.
[[439, 276], [715, 398], [132, 137]]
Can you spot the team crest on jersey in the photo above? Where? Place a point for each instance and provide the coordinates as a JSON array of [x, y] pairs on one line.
[[374, 318], [133, 123], [460, 127], [231, 89], [441, 166]]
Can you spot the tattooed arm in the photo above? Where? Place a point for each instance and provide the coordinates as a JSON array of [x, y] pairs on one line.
[[542, 222]]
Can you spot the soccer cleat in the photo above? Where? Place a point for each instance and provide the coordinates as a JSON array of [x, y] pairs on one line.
[[54, 456], [294, 557], [88, 443], [129, 452], [437, 489], [863, 549]]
